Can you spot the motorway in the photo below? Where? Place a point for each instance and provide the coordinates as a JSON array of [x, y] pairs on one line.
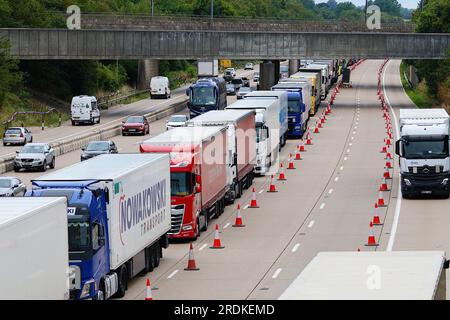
[[325, 205]]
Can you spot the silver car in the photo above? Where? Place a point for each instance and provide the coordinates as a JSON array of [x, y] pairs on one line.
[[35, 156], [12, 187], [17, 135], [175, 121]]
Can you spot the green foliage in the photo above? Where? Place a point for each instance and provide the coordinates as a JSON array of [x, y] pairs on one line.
[[10, 77], [391, 7]]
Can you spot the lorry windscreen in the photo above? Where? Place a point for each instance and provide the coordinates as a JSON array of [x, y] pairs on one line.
[[79, 235], [425, 149], [180, 184], [203, 96], [293, 106]]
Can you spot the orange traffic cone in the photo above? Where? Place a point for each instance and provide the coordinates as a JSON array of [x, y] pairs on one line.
[[217, 244], [253, 203], [281, 176], [191, 262], [376, 220], [308, 140], [148, 295], [388, 156], [387, 173], [380, 201], [302, 146], [384, 149], [371, 241], [298, 155], [291, 163], [384, 186], [388, 164], [272, 185], [238, 223], [316, 129], [388, 142]]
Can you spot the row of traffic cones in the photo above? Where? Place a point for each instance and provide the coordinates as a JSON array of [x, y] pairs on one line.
[[382, 202]]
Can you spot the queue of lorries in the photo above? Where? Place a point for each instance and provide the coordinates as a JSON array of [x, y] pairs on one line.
[[119, 220]]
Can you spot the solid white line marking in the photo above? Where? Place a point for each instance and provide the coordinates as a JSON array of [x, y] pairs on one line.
[[398, 205], [172, 274], [203, 247], [322, 206], [311, 224], [295, 248], [277, 273], [227, 225], [330, 191], [336, 179]]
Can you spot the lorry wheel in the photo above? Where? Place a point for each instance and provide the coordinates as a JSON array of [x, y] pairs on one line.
[[123, 282], [197, 230], [157, 253], [205, 227], [150, 259], [101, 292]]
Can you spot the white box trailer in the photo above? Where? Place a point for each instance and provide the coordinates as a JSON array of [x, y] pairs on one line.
[[135, 190], [268, 129], [208, 68], [33, 249], [394, 275]]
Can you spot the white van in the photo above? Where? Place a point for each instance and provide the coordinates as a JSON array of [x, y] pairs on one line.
[[84, 109], [159, 86]]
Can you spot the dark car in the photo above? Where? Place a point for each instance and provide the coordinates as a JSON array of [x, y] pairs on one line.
[[231, 89], [135, 125], [96, 148], [238, 83]]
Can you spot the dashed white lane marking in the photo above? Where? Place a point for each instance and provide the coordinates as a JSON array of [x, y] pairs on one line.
[[246, 207], [341, 168], [350, 144], [322, 206], [353, 138], [330, 191], [345, 158], [336, 179], [295, 248], [203, 247], [348, 150], [261, 191], [172, 274], [276, 273], [311, 224], [227, 225], [354, 132]]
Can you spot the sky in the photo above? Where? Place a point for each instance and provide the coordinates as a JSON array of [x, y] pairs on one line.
[[410, 4]]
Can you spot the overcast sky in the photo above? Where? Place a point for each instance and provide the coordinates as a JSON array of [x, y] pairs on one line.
[[410, 4]]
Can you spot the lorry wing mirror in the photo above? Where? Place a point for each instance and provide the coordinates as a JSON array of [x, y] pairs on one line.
[[397, 147], [198, 179], [198, 189]]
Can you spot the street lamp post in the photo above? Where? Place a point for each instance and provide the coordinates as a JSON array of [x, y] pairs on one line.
[[152, 6], [212, 9]]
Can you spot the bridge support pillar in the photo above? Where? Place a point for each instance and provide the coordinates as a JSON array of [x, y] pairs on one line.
[[147, 69], [269, 74], [293, 66]]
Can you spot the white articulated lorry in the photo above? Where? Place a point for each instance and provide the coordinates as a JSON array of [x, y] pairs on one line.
[[282, 99], [34, 249], [118, 219], [423, 150], [241, 155], [380, 275], [268, 130]]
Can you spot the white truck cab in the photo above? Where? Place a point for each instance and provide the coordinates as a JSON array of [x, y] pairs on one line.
[[84, 109], [159, 87], [423, 149]]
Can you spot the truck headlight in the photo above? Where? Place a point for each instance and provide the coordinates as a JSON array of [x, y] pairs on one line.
[[444, 182], [407, 182], [86, 289], [187, 228]]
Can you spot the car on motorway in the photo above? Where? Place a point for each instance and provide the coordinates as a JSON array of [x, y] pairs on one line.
[[35, 156], [246, 81], [284, 72], [229, 74], [255, 76], [12, 187], [177, 120], [17, 135], [249, 66], [84, 109], [96, 148], [243, 91], [231, 89], [135, 125], [238, 83], [159, 87]]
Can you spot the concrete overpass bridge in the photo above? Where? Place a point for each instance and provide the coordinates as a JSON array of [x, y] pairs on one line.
[[44, 44]]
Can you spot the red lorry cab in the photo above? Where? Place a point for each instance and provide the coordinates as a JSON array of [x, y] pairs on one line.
[[198, 175]]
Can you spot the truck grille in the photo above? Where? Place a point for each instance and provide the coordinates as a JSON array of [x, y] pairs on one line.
[[426, 170], [177, 213]]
